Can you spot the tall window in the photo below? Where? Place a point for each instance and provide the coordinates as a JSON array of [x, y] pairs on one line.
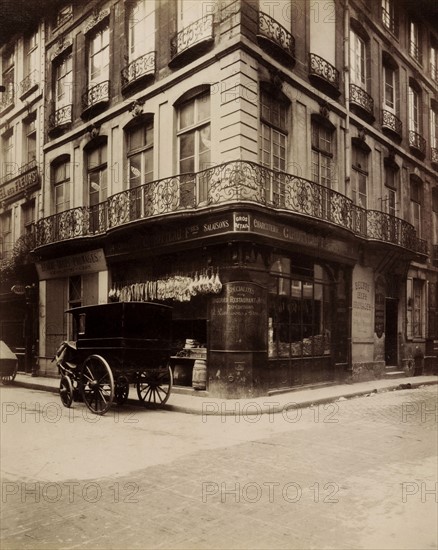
[[416, 201], [97, 185], [360, 177], [141, 22], [8, 74], [27, 217], [389, 89], [322, 27], [140, 160], [189, 11], [281, 12], [358, 60], [388, 14], [390, 190], [63, 82], [31, 53], [30, 140], [322, 154], [8, 165], [434, 130], [414, 110], [194, 143], [434, 62], [61, 186], [273, 143], [98, 63], [6, 234], [414, 41], [415, 308]]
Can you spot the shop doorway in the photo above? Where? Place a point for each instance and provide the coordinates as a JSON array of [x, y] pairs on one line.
[[391, 331]]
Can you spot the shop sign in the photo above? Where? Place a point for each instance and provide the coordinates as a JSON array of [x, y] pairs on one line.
[[379, 307], [238, 318], [77, 264], [362, 315], [19, 185]]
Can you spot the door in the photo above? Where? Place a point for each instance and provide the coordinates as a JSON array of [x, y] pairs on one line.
[[391, 330]]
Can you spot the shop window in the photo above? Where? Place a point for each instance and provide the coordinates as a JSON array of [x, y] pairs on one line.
[[61, 185], [299, 311], [194, 148], [6, 235], [97, 177], [415, 308], [273, 145], [141, 28], [416, 191], [28, 217]]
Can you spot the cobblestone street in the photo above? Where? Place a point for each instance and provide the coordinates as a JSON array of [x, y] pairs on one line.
[[358, 473]]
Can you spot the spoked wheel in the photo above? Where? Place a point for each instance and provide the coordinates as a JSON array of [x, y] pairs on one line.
[[9, 378], [97, 384], [66, 391], [122, 390], [154, 386]]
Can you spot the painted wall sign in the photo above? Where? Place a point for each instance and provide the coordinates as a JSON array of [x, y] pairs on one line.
[[379, 306], [238, 318], [77, 264], [362, 303], [19, 185]]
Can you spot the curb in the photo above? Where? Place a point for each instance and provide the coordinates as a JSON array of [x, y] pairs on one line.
[[277, 409]]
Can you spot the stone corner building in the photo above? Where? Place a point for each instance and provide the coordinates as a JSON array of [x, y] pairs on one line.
[[269, 169]]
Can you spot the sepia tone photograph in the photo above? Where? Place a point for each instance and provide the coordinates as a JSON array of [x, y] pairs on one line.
[[219, 274]]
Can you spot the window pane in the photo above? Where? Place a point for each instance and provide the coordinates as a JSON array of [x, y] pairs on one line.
[[187, 145], [186, 115], [136, 138], [135, 170], [203, 105]]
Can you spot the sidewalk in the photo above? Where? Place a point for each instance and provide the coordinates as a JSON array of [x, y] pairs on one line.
[[186, 401]]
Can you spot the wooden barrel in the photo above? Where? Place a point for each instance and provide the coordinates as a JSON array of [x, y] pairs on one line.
[[199, 376]]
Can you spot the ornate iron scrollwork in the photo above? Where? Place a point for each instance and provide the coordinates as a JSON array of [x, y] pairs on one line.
[[60, 117], [142, 66], [362, 98], [96, 94], [322, 68], [391, 122], [197, 32], [271, 29], [417, 142]]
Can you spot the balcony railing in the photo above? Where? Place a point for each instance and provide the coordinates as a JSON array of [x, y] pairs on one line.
[[61, 116], [232, 182], [140, 67], [322, 68], [417, 142], [96, 94], [391, 122], [434, 155], [360, 97], [29, 82], [272, 30], [195, 33]]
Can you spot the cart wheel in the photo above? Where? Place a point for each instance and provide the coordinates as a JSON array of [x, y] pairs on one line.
[[97, 384], [9, 378], [154, 386], [66, 391], [122, 390]]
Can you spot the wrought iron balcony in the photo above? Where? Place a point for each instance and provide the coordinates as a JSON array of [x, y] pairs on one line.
[[60, 117], [232, 182], [392, 123], [417, 142], [98, 93], [6, 101], [196, 33], [434, 155], [29, 83], [139, 68], [321, 68], [269, 29], [362, 99]]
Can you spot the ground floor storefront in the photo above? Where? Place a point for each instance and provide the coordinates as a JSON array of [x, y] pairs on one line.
[[261, 303]]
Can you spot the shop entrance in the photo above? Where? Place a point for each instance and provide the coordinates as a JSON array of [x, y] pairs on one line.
[[391, 330]]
